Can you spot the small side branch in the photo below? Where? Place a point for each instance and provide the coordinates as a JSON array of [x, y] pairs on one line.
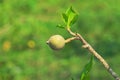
[[90, 49], [71, 39]]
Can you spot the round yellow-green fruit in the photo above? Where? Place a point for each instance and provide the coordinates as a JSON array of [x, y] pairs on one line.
[[56, 42]]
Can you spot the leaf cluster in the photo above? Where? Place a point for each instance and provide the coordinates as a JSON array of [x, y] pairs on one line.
[[69, 18]]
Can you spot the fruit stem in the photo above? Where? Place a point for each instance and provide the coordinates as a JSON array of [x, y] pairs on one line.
[[71, 39]]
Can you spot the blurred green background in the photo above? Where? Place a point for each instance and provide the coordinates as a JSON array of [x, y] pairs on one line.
[[25, 26]]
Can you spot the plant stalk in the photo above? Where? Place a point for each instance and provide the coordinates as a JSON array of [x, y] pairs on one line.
[[92, 50]]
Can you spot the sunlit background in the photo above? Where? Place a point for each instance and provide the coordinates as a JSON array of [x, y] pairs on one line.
[[26, 25]]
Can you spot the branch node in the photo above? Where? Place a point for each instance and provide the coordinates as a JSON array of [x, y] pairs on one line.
[[85, 46]]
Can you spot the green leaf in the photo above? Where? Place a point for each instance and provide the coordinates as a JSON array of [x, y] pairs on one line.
[[60, 26], [72, 16], [69, 18], [87, 69], [75, 18], [65, 18], [70, 10]]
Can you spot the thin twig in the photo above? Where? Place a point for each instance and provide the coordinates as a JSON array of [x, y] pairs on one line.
[[70, 39], [99, 57]]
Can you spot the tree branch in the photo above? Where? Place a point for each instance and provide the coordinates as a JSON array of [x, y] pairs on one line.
[[90, 49]]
